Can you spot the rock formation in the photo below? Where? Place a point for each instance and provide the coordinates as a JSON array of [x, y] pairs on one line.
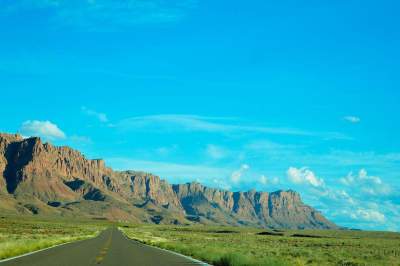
[[39, 178]]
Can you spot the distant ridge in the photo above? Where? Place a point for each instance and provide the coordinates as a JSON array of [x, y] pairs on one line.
[[41, 179]]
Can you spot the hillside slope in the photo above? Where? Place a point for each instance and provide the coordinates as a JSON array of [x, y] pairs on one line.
[[39, 178]]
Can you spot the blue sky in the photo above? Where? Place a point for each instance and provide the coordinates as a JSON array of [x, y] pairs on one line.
[[292, 95]]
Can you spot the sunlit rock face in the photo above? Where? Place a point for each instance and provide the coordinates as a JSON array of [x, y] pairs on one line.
[[61, 181]]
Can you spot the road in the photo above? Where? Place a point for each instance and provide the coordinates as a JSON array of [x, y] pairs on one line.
[[110, 248]]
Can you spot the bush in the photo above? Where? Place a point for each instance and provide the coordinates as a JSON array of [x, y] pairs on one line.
[[233, 259]]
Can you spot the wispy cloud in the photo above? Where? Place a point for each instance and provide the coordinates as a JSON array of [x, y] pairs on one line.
[[173, 171], [347, 158], [303, 155], [237, 175], [45, 129], [264, 180], [368, 215], [216, 152], [102, 117], [173, 122], [371, 185], [352, 119], [166, 150], [98, 15]]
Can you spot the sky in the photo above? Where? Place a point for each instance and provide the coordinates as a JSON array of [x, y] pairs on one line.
[[240, 95]]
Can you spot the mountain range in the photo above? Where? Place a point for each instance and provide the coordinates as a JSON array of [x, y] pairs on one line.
[[38, 178]]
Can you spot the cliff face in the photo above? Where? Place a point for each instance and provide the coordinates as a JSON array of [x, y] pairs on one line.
[[39, 178], [281, 209]]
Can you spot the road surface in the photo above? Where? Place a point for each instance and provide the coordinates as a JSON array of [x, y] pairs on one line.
[[110, 248]]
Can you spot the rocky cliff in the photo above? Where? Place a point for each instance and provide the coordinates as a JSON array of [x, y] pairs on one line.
[[39, 178]]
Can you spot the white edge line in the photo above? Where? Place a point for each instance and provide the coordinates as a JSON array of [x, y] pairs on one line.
[[166, 250], [41, 250]]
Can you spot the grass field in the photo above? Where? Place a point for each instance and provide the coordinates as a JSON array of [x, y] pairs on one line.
[[219, 246], [223, 246], [23, 235]]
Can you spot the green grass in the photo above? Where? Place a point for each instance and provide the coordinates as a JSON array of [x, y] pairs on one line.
[[223, 246], [22, 235], [219, 246]]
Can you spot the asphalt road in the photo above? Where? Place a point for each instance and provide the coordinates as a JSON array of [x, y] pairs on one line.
[[110, 248]]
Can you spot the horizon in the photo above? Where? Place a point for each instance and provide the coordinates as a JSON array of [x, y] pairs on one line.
[[238, 97]]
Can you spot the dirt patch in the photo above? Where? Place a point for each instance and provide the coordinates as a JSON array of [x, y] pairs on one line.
[[307, 236], [225, 232], [270, 234]]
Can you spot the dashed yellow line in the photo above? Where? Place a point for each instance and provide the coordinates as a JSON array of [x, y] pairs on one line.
[[104, 250]]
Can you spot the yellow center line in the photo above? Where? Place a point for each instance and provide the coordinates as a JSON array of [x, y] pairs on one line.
[[104, 250]]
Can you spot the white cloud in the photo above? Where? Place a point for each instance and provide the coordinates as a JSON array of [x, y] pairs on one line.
[[372, 185], [220, 183], [339, 196], [45, 129], [363, 175], [368, 215], [216, 152], [304, 176], [265, 180], [357, 201], [275, 180], [352, 119], [237, 175], [102, 117]]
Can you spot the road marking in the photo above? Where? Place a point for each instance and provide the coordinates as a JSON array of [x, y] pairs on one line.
[[104, 250], [198, 262]]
